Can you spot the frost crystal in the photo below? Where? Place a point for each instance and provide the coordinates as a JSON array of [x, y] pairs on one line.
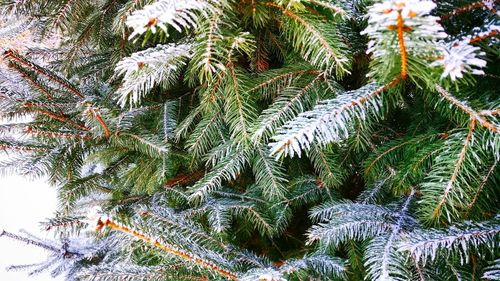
[[460, 57]]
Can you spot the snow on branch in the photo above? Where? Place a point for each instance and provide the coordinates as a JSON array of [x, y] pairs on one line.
[[492, 272], [483, 4], [128, 271], [179, 14], [329, 121], [409, 23], [474, 115], [143, 70], [426, 245], [168, 248], [459, 57]]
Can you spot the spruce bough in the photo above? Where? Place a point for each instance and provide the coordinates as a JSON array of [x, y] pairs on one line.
[[259, 140]]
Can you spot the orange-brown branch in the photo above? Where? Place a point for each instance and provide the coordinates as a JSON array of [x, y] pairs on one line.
[[32, 81], [402, 46], [57, 117], [472, 113], [15, 57], [185, 179], [168, 248], [375, 93], [12, 55], [149, 276], [20, 148], [29, 130], [490, 112], [98, 117], [357, 101], [483, 36], [470, 7]]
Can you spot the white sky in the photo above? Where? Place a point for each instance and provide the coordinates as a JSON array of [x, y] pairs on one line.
[[23, 204]]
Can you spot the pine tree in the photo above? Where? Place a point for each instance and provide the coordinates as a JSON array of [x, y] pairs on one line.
[[261, 139]]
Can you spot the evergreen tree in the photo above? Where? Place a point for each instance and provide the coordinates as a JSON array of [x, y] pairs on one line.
[[261, 139]]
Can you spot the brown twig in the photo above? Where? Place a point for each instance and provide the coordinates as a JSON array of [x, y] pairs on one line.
[[167, 248]]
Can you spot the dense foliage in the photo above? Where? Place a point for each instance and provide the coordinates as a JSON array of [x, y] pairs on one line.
[[259, 139]]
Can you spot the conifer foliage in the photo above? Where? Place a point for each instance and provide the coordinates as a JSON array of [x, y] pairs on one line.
[[260, 139]]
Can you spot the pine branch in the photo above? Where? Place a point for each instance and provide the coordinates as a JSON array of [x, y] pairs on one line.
[[220, 212], [474, 115], [306, 190], [428, 245], [146, 69], [148, 144], [492, 272], [372, 193], [185, 125], [208, 52], [206, 134], [321, 265], [56, 117], [488, 175], [169, 119], [472, 6], [180, 15], [173, 221], [21, 148], [128, 272], [393, 153], [62, 14], [383, 262], [275, 81], [329, 121], [411, 24], [348, 221], [169, 249], [328, 53], [289, 103], [9, 54], [30, 130], [227, 169], [327, 166], [269, 175], [35, 83], [29, 241], [63, 223], [451, 184], [238, 106]]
